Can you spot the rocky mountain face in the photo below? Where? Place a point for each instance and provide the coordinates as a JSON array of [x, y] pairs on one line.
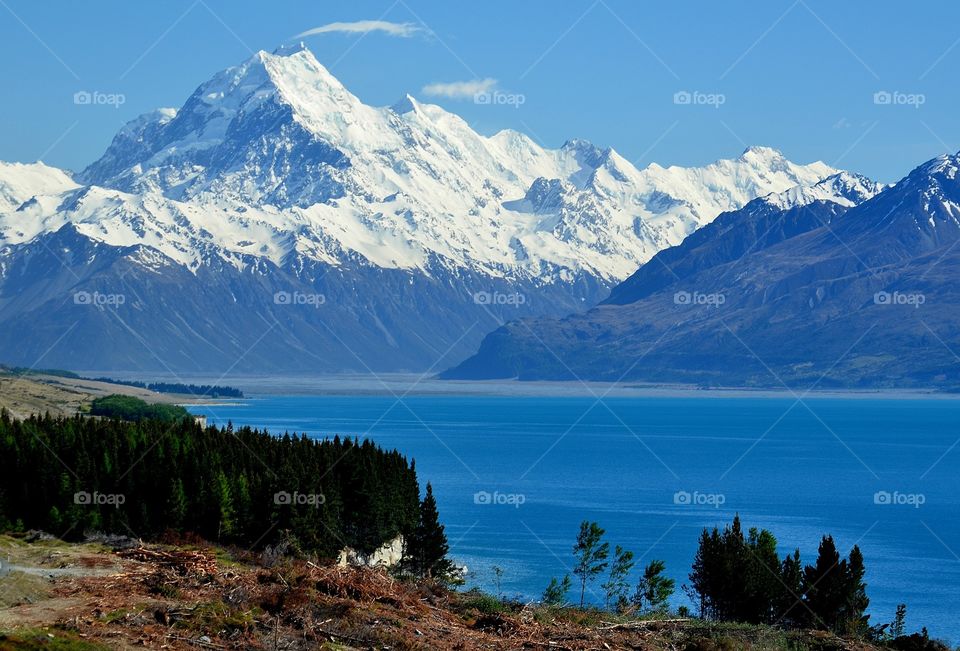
[[275, 221], [797, 289]]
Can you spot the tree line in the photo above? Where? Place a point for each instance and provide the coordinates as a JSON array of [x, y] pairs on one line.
[[735, 577], [131, 408], [240, 486], [199, 390], [740, 577]]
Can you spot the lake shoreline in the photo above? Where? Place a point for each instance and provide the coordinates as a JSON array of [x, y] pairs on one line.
[[409, 384]]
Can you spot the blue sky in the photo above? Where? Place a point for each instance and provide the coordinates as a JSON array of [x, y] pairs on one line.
[[798, 75]]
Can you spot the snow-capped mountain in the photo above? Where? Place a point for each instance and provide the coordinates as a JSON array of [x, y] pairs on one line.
[[20, 183], [273, 175], [293, 162], [845, 283]]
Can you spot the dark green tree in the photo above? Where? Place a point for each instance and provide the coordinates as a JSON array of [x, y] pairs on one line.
[[853, 618], [720, 573], [219, 483], [789, 607], [825, 586], [427, 548]]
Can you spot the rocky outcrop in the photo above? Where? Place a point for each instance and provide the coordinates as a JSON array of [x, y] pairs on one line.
[[387, 555]]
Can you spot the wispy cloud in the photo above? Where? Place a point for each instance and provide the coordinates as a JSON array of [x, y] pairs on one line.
[[403, 30], [460, 89]]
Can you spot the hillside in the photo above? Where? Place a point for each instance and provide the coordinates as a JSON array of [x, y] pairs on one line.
[[89, 597], [40, 393]]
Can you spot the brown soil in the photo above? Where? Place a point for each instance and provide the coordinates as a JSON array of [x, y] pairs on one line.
[[174, 598]]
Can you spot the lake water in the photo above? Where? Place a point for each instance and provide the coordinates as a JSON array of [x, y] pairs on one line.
[[514, 476]]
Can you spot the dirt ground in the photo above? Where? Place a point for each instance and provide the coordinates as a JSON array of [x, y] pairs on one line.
[[89, 596]]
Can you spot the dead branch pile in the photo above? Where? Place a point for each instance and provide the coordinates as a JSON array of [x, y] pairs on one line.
[[180, 561], [361, 584]]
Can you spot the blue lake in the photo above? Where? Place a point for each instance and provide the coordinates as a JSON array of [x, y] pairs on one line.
[[514, 476]]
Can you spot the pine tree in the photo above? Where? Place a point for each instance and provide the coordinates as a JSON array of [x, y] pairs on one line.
[[177, 504], [763, 581], [720, 573], [653, 589], [616, 586], [556, 592], [201, 482], [428, 547], [224, 504], [591, 554], [824, 586], [854, 619], [898, 625], [789, 607], [702, 574]]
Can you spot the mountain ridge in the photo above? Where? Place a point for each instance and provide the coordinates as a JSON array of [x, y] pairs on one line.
[[274, 176], [862, 294]]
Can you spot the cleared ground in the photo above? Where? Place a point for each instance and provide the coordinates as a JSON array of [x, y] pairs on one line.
[[89, 596]]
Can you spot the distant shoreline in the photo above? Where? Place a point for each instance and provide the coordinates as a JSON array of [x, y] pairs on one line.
[[411, 384]]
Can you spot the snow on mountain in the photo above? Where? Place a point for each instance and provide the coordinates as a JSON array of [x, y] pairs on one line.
[[858, 278], [272, 182], [276, 158], [845, 188], [21, 182]]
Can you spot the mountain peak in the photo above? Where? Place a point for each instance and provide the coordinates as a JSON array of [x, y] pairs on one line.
[[406, 104], [945, 165], [290, 49], [761, 152], [587, 153]]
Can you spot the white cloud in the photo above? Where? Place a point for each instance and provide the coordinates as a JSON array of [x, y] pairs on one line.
[[403, 30], [460, 89]]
